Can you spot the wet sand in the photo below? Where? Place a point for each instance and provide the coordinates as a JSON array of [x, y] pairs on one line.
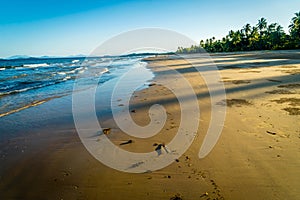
[[256, 157]]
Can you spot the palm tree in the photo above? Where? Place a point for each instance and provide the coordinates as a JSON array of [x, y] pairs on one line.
[[201, 43], [271, 28], [236, 40], [295, 29], [247, 29], [279, 29], [258, 37], [295, 23], [274, 36], [231, 34], [262, 25], [253, 38], [280, 37]]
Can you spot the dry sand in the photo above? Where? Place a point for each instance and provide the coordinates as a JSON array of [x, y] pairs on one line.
[[256, 157]]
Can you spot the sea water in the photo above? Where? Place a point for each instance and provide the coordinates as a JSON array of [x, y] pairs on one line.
[[29, 82]]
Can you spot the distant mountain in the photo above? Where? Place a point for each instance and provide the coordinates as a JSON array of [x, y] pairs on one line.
[[46, 57], [81, 56], [147, 54], [18, 57], [42, 57]]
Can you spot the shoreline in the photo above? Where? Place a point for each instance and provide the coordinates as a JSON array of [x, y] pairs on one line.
[[247, 162]]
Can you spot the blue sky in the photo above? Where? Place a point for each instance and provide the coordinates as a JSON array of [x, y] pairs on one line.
[[60, 28]]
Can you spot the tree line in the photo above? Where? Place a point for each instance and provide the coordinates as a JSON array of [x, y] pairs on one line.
[[262, 36]]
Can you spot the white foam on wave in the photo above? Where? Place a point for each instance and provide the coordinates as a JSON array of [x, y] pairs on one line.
[[72, 71], [75, 61], [67, 78], [36, 65], [105, 70], [61, 73], [1, 69], [17, 91], [78, 70]]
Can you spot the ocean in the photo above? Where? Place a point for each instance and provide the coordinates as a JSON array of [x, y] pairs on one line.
[[29, 82]]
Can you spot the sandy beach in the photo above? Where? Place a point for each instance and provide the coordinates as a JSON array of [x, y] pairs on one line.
[[256, 157]]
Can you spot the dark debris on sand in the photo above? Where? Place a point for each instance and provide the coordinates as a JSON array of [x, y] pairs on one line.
[[290, 101], [292, 111], [235, 102], [106, 131], [281, 91], [176, 197], [237, 82], [292, 85], [127, 142], [271, 133]]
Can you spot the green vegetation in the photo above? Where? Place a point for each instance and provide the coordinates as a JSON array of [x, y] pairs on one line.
[[262, 36]]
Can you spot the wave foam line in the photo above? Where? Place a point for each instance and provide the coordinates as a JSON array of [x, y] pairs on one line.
[[35, 103]]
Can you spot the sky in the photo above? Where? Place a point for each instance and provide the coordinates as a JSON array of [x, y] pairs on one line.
[[64, 28]]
